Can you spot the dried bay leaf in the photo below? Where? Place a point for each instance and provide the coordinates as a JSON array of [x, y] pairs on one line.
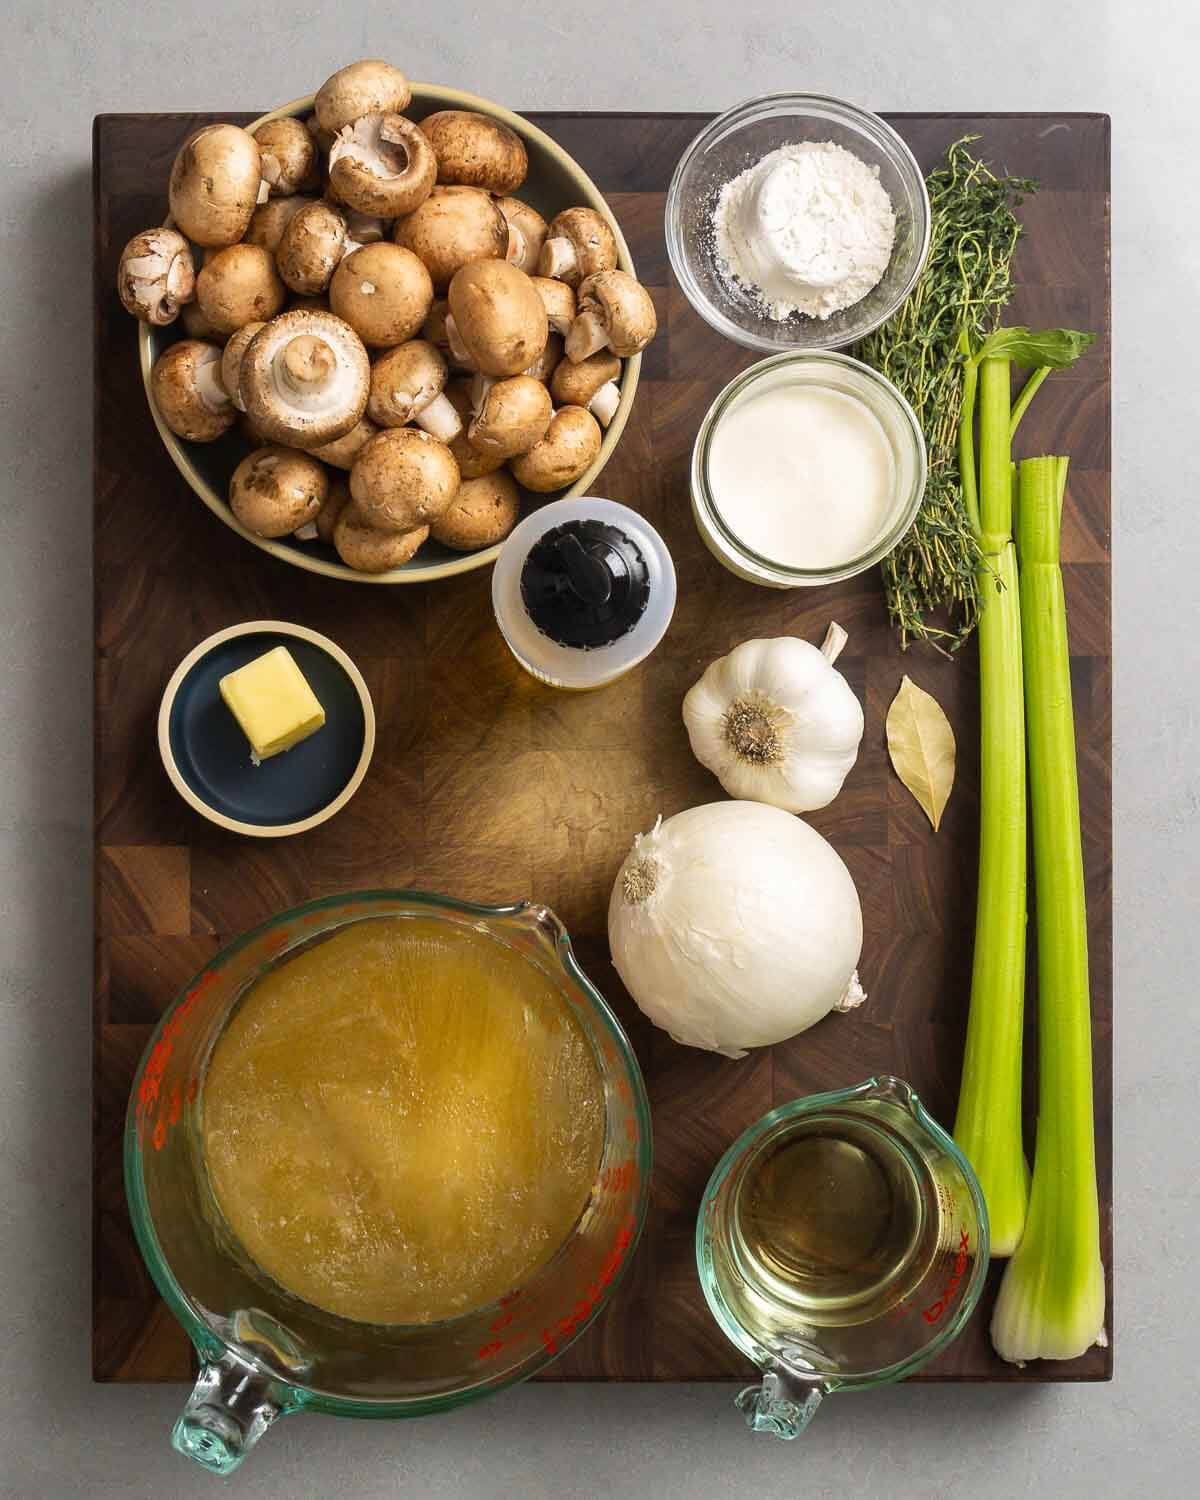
[[921, 745]]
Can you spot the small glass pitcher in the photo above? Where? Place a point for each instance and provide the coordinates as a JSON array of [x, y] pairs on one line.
[[842, 1243], [264, 1353]]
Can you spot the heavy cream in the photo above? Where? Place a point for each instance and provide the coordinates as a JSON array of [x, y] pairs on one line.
[[802, 475]]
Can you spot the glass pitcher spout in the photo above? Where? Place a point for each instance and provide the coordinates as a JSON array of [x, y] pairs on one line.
[[232, 1405], [782, 1405]]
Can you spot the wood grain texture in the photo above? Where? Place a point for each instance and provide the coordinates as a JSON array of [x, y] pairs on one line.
[[488, 786]]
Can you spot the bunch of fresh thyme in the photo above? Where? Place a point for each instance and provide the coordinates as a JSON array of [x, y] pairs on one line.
[[930, 579]]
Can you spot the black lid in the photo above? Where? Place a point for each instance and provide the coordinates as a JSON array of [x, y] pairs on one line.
[[585, 584]]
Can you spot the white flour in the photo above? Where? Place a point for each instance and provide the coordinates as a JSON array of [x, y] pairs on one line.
[[807, 229]]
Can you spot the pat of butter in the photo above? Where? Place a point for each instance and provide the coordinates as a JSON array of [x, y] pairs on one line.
[[272, 701]]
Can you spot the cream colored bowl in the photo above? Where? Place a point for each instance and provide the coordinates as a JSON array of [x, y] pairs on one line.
[[555, 181]]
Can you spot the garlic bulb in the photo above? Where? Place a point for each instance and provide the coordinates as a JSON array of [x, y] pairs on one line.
[[776, 722], [735, 925]]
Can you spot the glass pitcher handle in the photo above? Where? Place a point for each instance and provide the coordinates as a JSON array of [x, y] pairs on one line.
[[780, 1406], [230, 1408]]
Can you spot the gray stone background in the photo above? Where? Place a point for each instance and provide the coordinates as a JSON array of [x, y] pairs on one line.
[[59, 1434]]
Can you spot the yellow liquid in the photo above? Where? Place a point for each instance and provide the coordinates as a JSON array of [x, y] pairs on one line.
[[403, 1123]]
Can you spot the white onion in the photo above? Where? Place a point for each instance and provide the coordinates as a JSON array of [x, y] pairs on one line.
[[735, 925]]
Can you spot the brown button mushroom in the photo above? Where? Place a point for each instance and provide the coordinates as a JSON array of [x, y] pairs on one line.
[[231, 361], [476, 151], [483, 512], [510, 415], [288, 155], [526, 233], [197, 326], [571, 444], [215, 183], [270, 219], [156, 276], [382, 165], [547, 361], [406, 386], [455, 225], [384, 293], [592, 384], [362, 88], [336, 500], [239, 285], [342, 452], [274, 491], [305, 378], [579, 243], [366, 549], [471, 463], [311, 247], [615, 312], [559, 301], [403, 478], [497, 316], [188, 395]]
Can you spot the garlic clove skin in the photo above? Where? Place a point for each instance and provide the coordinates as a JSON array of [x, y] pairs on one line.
[[776, 722]]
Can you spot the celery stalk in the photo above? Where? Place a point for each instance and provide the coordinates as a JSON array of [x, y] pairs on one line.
[[1051, 1303], [988, 1123]]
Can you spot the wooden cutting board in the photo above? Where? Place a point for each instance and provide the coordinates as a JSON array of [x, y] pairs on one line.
[[487, 786]]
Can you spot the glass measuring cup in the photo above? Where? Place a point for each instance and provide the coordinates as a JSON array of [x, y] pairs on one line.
[[854, 1304], [263, 1352]]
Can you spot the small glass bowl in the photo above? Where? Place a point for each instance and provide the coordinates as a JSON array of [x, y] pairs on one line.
[[737, 140], [832, 372]]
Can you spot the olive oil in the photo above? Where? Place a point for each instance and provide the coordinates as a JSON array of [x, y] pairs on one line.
[[834, 1223]]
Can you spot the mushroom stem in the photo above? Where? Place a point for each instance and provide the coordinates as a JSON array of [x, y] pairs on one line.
[[208, 382], [603, 405], [307, 364], [558, 258], [307, 532], [440, 420], [458, 350], [588, 335]]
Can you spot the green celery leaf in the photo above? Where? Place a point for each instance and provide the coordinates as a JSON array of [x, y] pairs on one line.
[[1056, 347]]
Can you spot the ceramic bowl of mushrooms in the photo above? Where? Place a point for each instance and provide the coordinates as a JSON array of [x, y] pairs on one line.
[[382, 323]]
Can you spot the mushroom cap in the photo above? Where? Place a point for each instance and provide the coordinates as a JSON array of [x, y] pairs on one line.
[[453, 226], [471, 463], [626, 308], [403, 478], [311, 247], [156, 276], [512, 415], [239, 285], [576, 384], [342, 452], [214, 184], [499, 316], [275, 490], [288, 155], [366, 549], [526, 233], [547, 361], [197, 326], [483, 512], [558, 298], [305, 378], [361, 88], [592, 242], [384, 293], [270, 219], [186, 386], [404, 381], [571, 443], [476, 150], [337, 497], [382, 165], [231, 360]]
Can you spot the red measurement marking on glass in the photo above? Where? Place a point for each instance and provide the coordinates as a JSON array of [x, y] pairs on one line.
[[569, 1325], [934, 1311], [151, 1083]]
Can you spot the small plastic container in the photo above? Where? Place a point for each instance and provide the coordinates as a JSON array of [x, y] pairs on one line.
[[583, 591]]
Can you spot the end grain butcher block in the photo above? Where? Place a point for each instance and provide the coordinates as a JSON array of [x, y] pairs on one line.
[[488, 786]]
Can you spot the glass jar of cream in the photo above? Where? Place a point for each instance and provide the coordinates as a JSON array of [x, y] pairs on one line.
[[808, 467]]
